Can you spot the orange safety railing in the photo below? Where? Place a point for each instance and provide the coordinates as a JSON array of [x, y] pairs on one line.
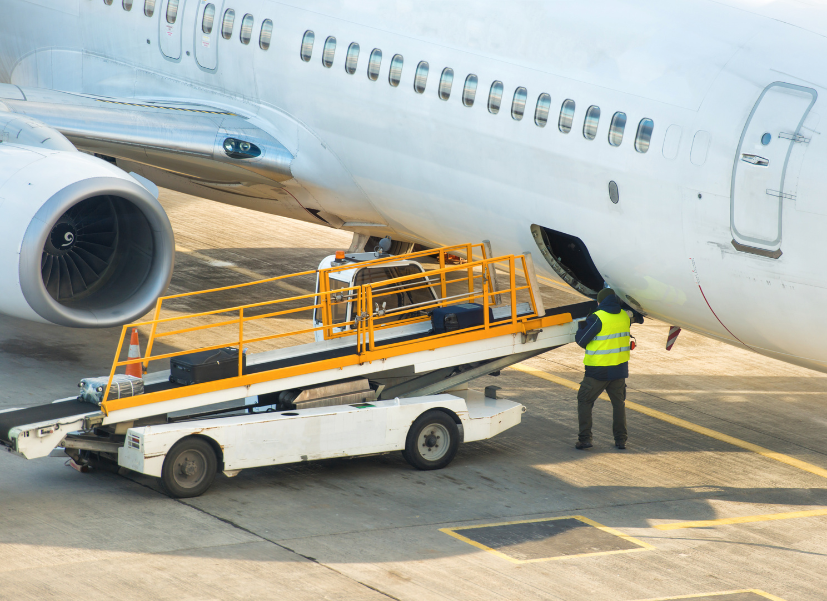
[[368, 315]]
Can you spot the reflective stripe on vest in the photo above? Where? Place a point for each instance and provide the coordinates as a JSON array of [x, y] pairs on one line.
[[611, 345], [610, 336]]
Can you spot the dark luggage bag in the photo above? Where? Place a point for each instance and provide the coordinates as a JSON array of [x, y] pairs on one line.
[[205, 366], [458, 317]]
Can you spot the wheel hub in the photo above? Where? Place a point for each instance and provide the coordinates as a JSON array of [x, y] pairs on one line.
[[188, 468], [433, 442]]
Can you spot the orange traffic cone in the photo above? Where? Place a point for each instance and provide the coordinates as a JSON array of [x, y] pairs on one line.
[[134, 369]]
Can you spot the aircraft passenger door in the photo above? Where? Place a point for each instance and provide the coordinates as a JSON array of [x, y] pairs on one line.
[[759, 188], [172, 12], [206, 33]]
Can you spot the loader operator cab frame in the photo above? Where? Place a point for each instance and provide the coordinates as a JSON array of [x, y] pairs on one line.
[[408, 293]]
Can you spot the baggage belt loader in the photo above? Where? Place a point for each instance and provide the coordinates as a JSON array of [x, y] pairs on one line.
[[395, 345]]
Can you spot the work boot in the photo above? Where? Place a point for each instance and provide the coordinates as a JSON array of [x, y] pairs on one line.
[[620, 444], [583, 444]]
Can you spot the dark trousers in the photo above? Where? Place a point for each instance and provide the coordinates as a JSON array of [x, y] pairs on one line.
[[590, 389]]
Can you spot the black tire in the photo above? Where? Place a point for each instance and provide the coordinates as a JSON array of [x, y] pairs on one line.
[[426, 447], [189, 468]]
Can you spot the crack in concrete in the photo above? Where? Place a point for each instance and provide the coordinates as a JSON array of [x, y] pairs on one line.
[[264, 538]]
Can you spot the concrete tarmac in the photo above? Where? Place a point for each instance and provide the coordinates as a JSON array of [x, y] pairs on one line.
[[721, 494]]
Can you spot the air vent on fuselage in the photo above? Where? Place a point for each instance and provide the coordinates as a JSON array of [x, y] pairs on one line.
[[570, 259]]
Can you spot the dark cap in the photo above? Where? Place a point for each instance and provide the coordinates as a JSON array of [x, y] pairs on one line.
[[603, 294]]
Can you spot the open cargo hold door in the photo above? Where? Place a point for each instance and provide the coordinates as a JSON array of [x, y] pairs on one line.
[[570, 259]]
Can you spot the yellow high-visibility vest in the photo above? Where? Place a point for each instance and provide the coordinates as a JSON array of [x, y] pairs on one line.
[[611, 345]]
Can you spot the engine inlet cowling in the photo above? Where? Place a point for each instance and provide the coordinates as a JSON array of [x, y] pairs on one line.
[[104, 251], [82, 243]]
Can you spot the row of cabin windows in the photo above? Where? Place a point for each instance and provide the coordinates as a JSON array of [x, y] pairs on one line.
[[565, 120], [245, 34], [469, 91], [208, 21]]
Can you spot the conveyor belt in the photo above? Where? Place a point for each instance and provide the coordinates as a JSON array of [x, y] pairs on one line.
[[56, 411], [321, 355], [577, 311], [41, 413]]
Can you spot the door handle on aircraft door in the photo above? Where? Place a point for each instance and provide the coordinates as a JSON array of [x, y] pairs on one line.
[[797, 138], [779, 194], [754, 159]]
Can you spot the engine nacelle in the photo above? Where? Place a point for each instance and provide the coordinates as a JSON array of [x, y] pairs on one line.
[[82, 244]]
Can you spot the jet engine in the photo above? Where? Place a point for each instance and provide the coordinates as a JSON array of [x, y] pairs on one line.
[[82, 243]]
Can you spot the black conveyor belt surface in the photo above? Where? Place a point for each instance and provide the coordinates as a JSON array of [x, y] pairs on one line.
[[41, 413], [322, 355]]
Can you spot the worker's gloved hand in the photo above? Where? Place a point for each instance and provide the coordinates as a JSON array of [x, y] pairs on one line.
[[581, 324]]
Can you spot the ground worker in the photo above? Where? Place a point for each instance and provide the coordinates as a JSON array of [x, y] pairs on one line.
[[606, 338]]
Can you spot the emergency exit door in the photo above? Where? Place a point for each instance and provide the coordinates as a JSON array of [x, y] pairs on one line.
[[207, 25], [172, 12], [759, 183]]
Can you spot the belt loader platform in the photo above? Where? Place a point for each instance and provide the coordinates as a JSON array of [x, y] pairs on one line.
[[381, 375]]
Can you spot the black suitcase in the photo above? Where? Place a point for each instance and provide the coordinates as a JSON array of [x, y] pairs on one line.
[[205, 366], [458, 317]]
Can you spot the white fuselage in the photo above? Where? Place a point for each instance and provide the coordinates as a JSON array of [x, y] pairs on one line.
[[387, 159]]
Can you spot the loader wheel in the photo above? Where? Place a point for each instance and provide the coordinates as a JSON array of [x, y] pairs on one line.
[[189, 468], [432, 441]]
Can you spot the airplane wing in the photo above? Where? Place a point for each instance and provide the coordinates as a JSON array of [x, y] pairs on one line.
[[209, 145]]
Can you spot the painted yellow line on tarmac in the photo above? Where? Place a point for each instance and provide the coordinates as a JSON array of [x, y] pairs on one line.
[[720, 593], [792, 461], [642, 546], [743, 520]]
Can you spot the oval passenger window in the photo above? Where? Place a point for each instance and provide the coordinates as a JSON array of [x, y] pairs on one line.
[[266, 34], [421, 77], [352, 58], [172, 11], [518, 103], [374, 64], [616, 129], [395, 73], [469, 90], [329, 52], [227, 24], [495, 97], [208, 21], [566, 116], [307, 45], [445, 83], [541, 112], [246, 33], [591, 122], [644, 135]]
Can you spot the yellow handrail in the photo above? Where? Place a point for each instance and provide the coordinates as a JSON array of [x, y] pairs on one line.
[[364, 322]]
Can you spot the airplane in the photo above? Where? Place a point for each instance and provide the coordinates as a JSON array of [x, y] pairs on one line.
[[669, 150]]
